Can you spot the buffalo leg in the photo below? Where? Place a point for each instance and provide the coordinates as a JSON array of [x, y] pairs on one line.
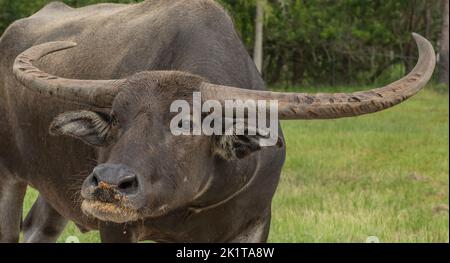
[[117, 233], [12, 193], [257, 233], [43, 224]]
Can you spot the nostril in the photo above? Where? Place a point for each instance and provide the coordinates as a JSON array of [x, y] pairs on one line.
[[128, 184], [125, 185], [94, 180]]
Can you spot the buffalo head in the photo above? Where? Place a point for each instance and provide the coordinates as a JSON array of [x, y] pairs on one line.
[[145, 170]]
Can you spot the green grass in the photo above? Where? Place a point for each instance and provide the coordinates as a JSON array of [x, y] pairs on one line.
[[383, 175]]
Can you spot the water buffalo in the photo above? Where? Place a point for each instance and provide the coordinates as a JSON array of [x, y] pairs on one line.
[[88, 126]]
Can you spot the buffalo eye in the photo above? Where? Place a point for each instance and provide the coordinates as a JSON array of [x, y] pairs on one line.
[[113, 122], [90, 127], [186, 124]]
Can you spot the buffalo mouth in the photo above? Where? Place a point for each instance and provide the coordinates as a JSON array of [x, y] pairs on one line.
[[109, 211]]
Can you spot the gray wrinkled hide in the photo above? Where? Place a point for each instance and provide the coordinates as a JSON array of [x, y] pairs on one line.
[[116, 41]]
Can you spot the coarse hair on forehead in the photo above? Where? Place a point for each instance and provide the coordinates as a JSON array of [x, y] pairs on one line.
[[160, 86]]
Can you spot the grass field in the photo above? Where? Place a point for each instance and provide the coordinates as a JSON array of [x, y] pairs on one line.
[[383, 175]]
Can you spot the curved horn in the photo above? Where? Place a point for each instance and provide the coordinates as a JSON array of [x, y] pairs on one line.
[[338, 105], [97, 93]]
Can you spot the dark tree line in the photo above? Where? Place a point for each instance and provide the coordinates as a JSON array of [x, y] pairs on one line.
[[321, 42], [443, 47]]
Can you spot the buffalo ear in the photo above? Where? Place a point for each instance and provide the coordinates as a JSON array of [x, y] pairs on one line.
[[232, 147], [88, 126]]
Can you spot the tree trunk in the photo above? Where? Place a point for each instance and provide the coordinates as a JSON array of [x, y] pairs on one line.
[[297, 68], [258, 49], [443, 49], [427, 19], [410, 48], [276, 71]]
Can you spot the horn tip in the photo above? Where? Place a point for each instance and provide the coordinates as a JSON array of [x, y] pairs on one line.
[[63, 44], [70, 43], [418, 37]]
